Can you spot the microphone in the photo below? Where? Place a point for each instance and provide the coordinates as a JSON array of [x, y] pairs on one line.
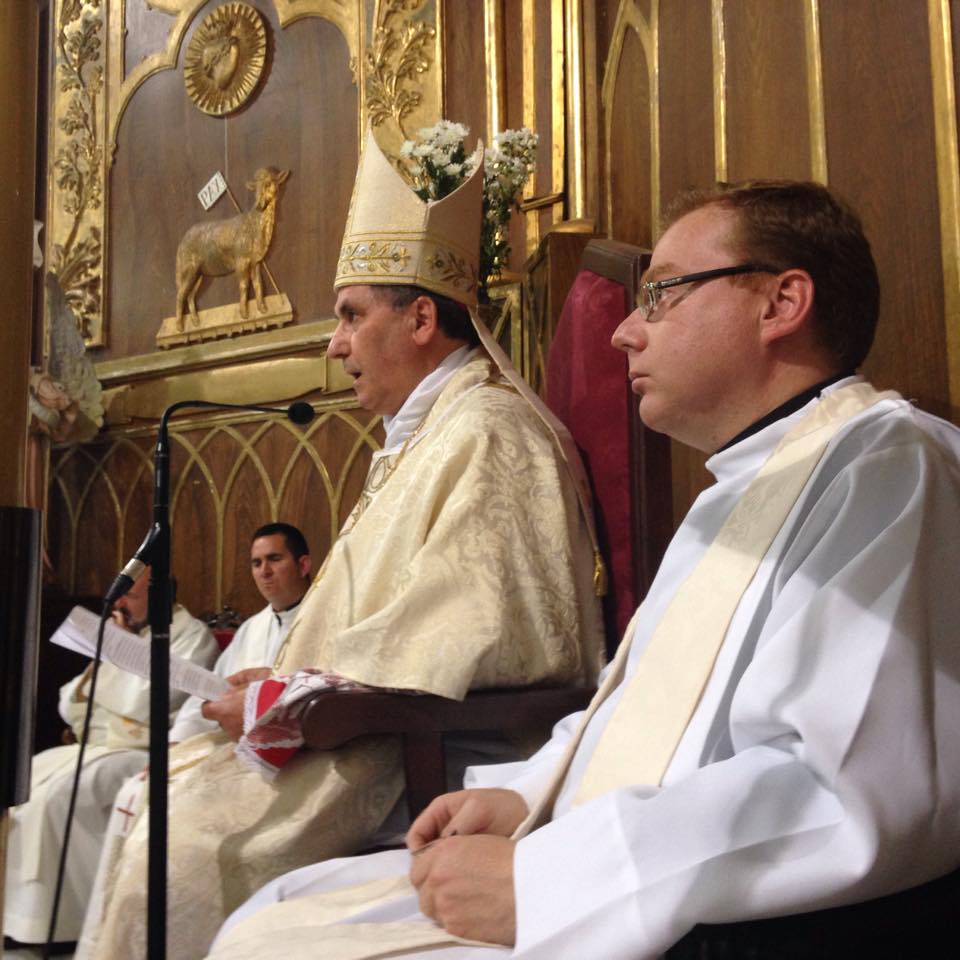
[[132, 570], [299, 412]]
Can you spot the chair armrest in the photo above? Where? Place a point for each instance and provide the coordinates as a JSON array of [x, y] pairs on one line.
[[332, 719]]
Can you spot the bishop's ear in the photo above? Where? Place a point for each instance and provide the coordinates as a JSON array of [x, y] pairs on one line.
[[790, 306], [424, 317]]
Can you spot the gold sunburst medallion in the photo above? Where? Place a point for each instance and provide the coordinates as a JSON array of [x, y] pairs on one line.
[[225, 58]]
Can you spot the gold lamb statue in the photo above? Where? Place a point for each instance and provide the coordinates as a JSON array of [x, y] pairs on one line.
[[237, 246]]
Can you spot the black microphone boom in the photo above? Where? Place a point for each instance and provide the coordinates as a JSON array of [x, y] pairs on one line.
[[299, 412]]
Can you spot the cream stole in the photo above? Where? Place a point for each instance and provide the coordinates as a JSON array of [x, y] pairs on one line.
[[653, 713], [660, 698]]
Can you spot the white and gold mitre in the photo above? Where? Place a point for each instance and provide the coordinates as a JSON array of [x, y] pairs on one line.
[[392, 236]]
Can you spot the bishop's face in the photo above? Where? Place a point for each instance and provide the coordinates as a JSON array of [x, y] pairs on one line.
[[374, 340], [691, 361]]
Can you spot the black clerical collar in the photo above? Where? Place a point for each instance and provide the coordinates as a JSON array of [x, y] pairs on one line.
[[785, 409], [293, 606]]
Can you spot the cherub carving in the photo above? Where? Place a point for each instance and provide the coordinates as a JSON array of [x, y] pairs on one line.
[[237, 246]]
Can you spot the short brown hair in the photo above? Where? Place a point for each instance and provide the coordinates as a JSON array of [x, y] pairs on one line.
[[788, 223], [453, 318], [296, 542]]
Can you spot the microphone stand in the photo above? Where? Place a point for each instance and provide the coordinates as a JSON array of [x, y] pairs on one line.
[[160, 606], [155, 550]]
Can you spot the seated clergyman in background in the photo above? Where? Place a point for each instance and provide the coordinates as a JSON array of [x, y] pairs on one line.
[[117, 748], [467, 562], [280, 565], [778, 731]]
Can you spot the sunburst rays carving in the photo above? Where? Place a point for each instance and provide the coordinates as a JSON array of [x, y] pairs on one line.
[[225, 58]]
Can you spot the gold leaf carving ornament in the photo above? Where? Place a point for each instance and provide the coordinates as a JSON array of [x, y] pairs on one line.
[[76, 261], [225, 58], [399, 54]]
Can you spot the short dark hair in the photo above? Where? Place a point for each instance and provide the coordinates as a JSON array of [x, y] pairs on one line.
[[788, 223], [296, 542], [453, 317]]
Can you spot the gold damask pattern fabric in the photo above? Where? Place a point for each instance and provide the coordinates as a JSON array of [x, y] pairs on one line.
[[231, 832], [490, 567], [470, 566]]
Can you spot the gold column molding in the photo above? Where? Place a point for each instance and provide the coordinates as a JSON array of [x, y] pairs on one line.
[[18, 72], [494, 49], [948, 182], [818, 124], [719, 89]]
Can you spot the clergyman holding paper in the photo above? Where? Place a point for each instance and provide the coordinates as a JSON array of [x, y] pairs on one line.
[[117, 748]]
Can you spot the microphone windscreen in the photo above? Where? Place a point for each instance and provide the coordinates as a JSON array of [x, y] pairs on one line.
[[300, 412]]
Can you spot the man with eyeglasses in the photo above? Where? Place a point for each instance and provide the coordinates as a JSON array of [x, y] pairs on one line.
[[777, 732]]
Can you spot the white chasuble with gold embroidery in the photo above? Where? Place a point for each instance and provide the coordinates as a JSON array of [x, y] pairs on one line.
[[466, 564], [815, 769]]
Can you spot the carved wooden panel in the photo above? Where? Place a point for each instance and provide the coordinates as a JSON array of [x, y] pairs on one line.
[[229, 476], [303, 119]]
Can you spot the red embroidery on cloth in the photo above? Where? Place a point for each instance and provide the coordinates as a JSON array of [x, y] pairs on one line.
[[272, 717]]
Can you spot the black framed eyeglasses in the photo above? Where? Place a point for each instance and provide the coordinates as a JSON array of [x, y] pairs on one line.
[[651, 292]]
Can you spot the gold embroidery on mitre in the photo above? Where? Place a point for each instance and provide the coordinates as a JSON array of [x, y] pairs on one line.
[[392, 236], [373, 257], [444, 266]]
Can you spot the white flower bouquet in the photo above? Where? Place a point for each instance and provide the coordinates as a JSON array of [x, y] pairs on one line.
[[437, 163]]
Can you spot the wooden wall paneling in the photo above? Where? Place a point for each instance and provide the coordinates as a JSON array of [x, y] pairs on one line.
[[648, 144], [19, 41], [629, 151], [163, 143], [605, 19], [686, 97], [466, 89], [146, 32], [198, 538], [304, 120], [130, 467], [767, 90], [882, 157], [99, 532]]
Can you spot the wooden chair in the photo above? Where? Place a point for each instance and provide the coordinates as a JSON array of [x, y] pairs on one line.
[[588, 389]]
